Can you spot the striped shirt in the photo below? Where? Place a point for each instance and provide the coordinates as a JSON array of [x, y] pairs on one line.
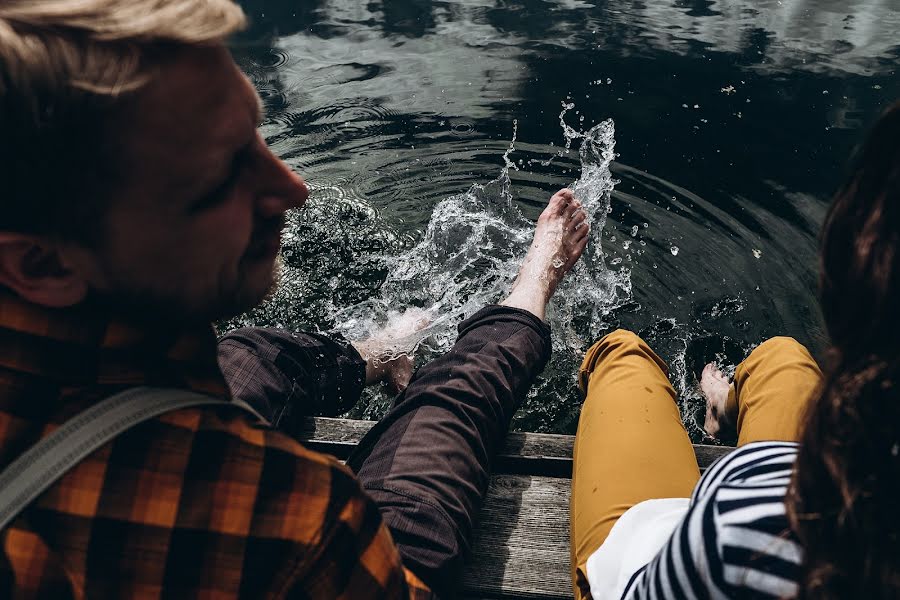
[[734, 541]]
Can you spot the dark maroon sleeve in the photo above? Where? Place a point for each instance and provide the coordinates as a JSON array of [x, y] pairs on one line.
[[288, 376]]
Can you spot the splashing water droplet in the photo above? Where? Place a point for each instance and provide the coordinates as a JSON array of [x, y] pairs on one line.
[[558, 263]]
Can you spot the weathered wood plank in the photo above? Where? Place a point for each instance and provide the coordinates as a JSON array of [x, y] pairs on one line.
[[543, 454], [521, 544]]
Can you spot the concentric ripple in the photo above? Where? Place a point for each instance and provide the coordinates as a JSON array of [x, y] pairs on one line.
[[731, 127]]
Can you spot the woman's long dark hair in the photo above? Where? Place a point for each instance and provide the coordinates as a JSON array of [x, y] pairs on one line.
[[844, 499]]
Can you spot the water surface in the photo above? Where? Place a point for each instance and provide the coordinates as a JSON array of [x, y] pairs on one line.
[[733, 124]]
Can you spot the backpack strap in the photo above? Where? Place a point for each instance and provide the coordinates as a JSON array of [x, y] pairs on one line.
[[52, 457]]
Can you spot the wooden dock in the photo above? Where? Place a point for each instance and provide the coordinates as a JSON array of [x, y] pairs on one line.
[[521, 545]]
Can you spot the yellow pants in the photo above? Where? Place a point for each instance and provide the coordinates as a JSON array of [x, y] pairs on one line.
[[631, 445]]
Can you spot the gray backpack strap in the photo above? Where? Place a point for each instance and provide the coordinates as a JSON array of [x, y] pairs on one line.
[[52, 457]]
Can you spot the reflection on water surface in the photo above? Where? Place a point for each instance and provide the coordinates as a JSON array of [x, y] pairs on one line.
[[733, 123]]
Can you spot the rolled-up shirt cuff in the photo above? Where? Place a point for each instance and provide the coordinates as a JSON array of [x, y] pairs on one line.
[[290, 375]]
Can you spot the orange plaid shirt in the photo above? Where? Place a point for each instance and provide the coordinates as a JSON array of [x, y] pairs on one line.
[[198, 503]]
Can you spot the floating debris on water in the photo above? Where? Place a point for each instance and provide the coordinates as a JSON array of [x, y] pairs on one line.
[[757, 253], [674, 250], [728, 90]]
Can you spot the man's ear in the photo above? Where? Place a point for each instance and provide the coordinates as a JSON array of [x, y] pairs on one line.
[[35, 269]]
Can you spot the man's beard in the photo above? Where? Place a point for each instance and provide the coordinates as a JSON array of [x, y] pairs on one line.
[[160, 304], [152, 306]]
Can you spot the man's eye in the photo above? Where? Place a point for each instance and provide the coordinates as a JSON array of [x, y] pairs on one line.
[[222, 191], [217, 196]]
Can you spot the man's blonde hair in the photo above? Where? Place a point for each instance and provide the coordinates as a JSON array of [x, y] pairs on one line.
[[63, 66]]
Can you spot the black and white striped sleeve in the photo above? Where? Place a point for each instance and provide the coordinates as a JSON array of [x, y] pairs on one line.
[[734, 539]]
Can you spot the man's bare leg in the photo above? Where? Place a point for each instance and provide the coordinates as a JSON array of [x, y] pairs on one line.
[[559, 241]]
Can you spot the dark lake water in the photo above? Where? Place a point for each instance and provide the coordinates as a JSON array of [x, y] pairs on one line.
[[733, 120]]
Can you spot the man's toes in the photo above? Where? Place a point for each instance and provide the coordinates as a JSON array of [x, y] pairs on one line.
[[567, 194], [572, 205], [564, 195], [556, 206], [583, 241], [578, 249], [577, 219], [582, 232]]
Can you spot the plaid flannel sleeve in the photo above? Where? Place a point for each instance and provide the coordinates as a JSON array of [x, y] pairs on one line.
[[312, 532], [355, 557], [204, 503]]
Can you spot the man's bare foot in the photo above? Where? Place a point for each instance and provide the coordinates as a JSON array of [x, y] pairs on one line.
[[388, 352], [715, 386], [559, 241]]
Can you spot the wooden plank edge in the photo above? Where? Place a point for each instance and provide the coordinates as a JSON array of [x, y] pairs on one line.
[[523, 453]]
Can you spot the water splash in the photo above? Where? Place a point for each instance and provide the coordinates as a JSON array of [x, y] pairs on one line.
[[592, 290], [466, 259], [469, 256]]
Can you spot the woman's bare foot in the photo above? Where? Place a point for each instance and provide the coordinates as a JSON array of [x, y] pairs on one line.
[[559, 241], [715, 386]]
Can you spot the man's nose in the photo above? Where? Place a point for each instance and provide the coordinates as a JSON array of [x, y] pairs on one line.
[[282, 188]]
